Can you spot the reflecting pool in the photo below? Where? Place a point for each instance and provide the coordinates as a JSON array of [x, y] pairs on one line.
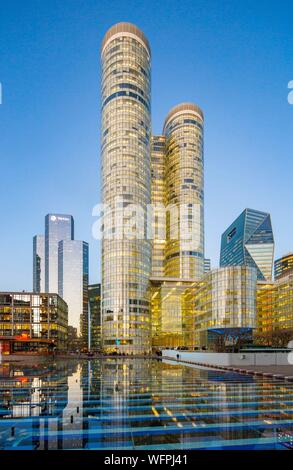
[[140, 404]]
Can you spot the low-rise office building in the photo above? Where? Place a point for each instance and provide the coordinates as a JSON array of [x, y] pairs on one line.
[[197, 313], [283, 266], [275, 305], [32, 322], [222, 306]]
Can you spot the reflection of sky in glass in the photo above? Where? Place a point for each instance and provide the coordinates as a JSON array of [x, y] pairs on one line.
[[73, 278], [57, 227]]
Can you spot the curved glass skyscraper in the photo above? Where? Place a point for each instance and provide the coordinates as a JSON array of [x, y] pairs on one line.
[[184, 179], [126, 192]]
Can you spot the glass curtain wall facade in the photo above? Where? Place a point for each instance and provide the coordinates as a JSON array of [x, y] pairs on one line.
[[57, 227], [73, 280], [158, 143], [225, 299], [39, 263], [184, 175], [126, 181], [275, 305], [265, 306], [283, 303], [249, 241], [170, 319], [30, 321], [283, 266]]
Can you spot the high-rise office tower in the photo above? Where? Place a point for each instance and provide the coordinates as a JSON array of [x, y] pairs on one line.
[[39, 263], [283, 266], [158, 204], [57, 227], [249, 241], [73, 269], [125, 150], [94, 325], [184, 173]]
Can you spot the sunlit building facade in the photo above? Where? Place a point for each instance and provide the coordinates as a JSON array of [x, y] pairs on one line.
[[283, 303], [275, 305], [171, 320], [73, 269], [57, 227], [194, 313], [223, 302], [283, 266], [34, 322], [158, 196], [249, 241], [39, 263], [265, 306], [184, 173], [126, 181]]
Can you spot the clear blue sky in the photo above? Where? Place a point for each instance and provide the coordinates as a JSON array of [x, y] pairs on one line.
[[233, 58]]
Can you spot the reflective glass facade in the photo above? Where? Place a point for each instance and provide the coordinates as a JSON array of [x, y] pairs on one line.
[[249, 241], [39, 263], [275, 305], [184, 173], [57, 227], [283, 266], [125, 150], [158, 144], [265, 303], [225, 298], [171, 321], [184, 312], [73, 266], [31, 322]]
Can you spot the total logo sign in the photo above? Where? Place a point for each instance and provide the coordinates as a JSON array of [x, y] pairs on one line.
[[54, 218]]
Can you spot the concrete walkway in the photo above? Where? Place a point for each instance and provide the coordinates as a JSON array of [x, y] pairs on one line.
[[283, 370]]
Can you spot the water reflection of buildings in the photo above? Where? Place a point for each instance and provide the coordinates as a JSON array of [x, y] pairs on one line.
[[125, 403], [109, 387], [229, 407], [32, 399]]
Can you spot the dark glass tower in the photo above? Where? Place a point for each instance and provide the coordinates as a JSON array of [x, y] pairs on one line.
[[249, 241], [73, 269]]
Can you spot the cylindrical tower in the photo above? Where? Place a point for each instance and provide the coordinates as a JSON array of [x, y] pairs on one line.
[[184, 176], [126, 189]]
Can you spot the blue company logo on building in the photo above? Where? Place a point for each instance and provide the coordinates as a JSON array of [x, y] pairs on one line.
[[290, 95]]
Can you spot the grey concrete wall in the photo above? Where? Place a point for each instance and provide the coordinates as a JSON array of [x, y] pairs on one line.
[[231, 359]]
